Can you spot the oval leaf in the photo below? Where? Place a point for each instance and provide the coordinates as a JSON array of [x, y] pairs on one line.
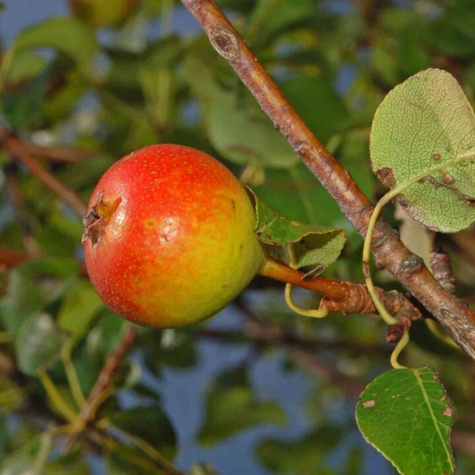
[[78, 310], [38, 344], [233, 125], [148, 424], [64, 34], [407, 416], [422, 124], [298, 244], [231, 406]]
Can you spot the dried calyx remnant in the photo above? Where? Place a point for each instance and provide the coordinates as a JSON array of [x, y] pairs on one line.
[[97, 218]]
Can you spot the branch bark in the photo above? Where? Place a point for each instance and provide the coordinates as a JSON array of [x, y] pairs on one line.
[[16, 147], [344, 297], [104, 381], [387, 248]]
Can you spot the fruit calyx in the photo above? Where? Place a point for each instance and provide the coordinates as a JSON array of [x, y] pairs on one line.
[[97, 219]]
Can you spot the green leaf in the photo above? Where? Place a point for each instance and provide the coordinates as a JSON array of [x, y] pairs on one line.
[[38, 344], [65, 34], [300, 456], [122, 458], [299, 244], [420, 136], [23, 107], [317, 103], [406, 415], [78, 310], [29, 459], [233, 124], [267, 20], [42, 280], [174, 347], [11, 396], [453, 33], [148, 424], [15, 308], [72, 462], [25, 66], [231, 407]]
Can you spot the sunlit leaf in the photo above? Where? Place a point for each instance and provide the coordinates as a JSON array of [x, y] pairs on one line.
[[421, 125], [300, 244], [25, 66], [65, 34], [267, 21], [407, 416], [233, 126]]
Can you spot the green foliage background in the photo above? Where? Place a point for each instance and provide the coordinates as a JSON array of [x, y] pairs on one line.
[[155, 79]]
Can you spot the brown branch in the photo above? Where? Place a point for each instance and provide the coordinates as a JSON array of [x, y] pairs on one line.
[[442, 269], [388, 250], [344, 297], [58, 153], [104, 381], [11, 259], [15, 147]]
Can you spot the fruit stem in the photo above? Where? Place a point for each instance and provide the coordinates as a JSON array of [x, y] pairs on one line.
[[335, 290]]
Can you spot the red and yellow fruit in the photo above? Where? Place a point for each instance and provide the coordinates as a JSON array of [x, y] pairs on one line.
[[169, 237]]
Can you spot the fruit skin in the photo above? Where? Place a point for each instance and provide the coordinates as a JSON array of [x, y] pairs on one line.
[[103, 13], [169, 237]]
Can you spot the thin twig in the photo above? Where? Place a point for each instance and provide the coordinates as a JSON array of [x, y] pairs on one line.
[[104, 381], [54, 153], [14, 146], [58, 153], [390, 253]]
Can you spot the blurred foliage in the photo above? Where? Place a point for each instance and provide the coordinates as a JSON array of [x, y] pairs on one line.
[[68, 84]]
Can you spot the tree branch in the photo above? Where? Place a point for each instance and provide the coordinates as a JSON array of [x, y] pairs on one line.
[[387, 248], [14, 146], [104, 381], [339, 296]]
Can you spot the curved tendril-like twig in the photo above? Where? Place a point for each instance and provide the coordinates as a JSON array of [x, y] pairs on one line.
[[313, 312], [385, 315], [397, 351]]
